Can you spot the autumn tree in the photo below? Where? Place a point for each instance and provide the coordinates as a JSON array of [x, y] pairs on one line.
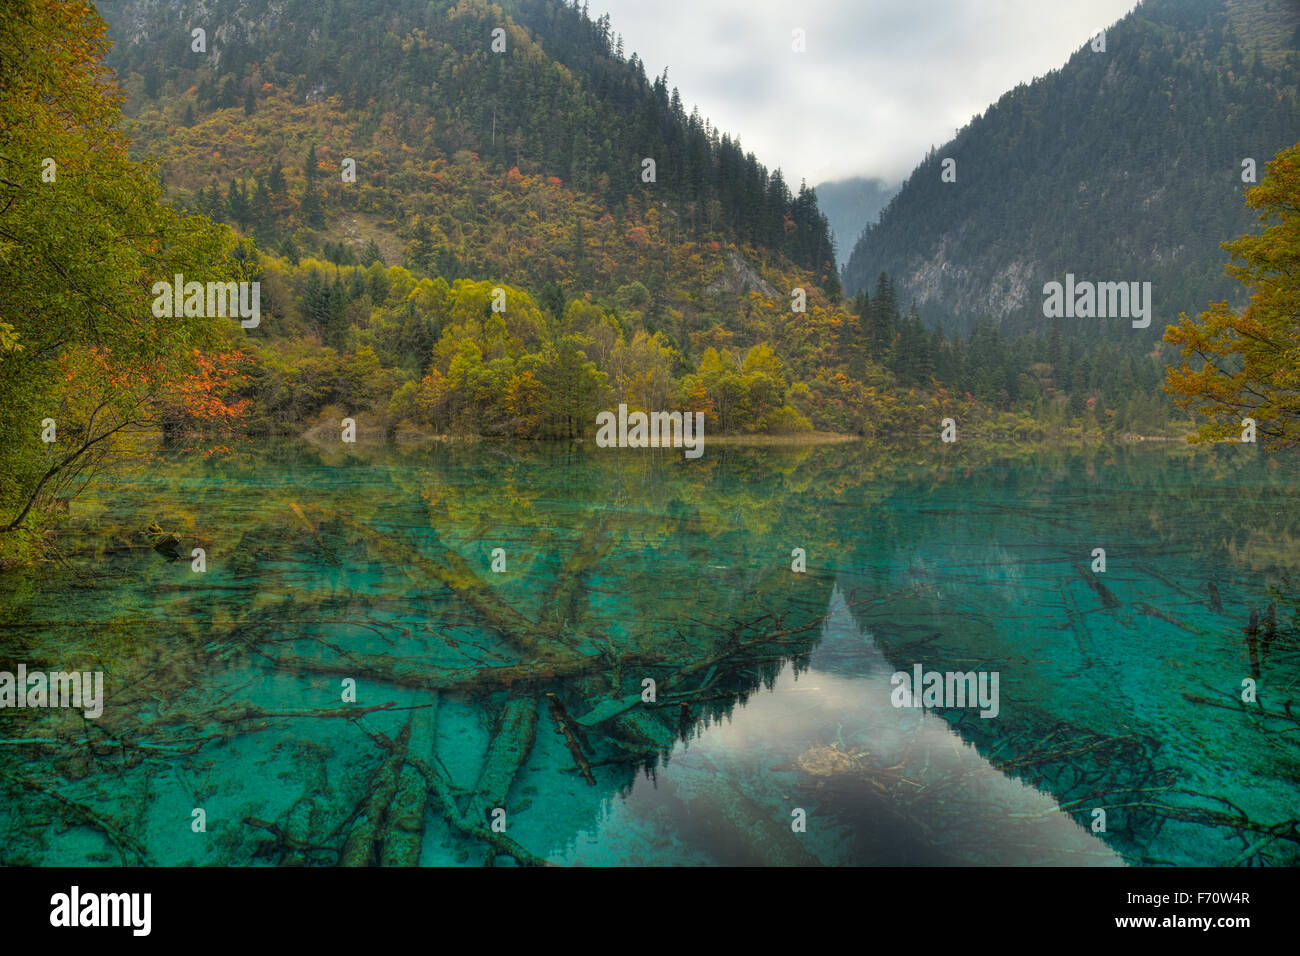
[[83, 239], [574, 389], [1249, 363]]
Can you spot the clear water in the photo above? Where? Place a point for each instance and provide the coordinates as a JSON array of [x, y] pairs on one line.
[[772, 739]]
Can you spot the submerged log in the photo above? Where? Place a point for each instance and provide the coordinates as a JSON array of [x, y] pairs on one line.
[[609, 709], [403, 832], [440, 789], [1150, 611], [164, 542], [122, 841], [1235, 704], [1252, 643], [560, 605], [642, 730], [409, 673], [296, 833], [362, 845], [1216, 603], [565, 726], [452, 571], [326, 552], [1270, 632], [511, 744], [1108, 600]]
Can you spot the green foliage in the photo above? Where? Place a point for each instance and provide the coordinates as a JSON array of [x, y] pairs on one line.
[[522, 172], [83, 239]]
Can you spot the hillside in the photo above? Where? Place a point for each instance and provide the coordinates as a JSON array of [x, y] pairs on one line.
[[494, 148], [403, 86], [1124, 165]]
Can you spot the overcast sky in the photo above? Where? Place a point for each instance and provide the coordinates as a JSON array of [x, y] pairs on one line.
[[881, 82]]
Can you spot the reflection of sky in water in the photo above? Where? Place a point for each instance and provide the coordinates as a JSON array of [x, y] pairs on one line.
[[983, 570], [723, 794]]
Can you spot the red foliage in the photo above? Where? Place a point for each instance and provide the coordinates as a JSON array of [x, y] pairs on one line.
[[198, 397], [201, 395]]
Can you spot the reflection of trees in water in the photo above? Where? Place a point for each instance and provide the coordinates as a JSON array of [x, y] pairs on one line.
[[564, 668], [1083, 767], [571, 665]]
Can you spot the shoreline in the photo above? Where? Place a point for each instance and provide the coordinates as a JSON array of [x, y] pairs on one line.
[[792, 438], [324, 433]]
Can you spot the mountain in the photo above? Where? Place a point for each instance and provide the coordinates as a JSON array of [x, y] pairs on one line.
[[533, 85], [477, 218], [1124, 165], [850, 205]]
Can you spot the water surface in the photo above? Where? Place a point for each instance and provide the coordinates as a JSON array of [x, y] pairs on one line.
[[502, 715]]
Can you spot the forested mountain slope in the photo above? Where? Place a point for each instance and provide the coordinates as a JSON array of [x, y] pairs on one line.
[[646, 257], [1124, 165], [409, 83]]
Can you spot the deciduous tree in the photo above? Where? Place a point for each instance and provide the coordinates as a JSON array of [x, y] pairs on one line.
[[1247, 364]]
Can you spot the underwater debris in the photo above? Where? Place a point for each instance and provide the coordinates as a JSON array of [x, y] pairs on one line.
[[1251, 631], [403, 830], [1235, 703], [440, 791], [1149, 611], [409, 673], [297, 832], [561, 600], [294, 849], [511, 744], [1080, 767], [565, 726], [314, 530], [475, 644], [1108, 600], [454, 573], [164, 542], [1260, 637], [361, 848], [125, 844], [832, 761], [1216, 603]]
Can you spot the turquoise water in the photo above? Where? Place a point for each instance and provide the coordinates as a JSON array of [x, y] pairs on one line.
[[503, 715]]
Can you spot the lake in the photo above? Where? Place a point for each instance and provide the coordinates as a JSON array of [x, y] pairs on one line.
[[501, 653]]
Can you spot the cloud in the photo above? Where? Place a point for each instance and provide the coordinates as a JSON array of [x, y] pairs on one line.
[[880, 83]]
